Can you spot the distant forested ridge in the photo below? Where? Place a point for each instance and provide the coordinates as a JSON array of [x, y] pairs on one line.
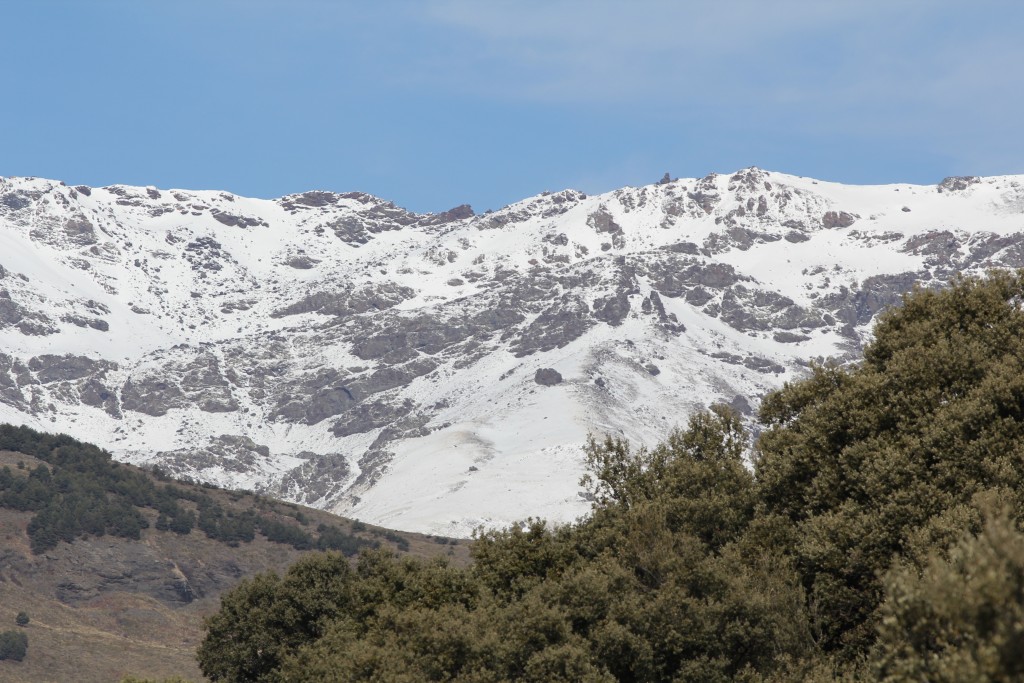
[[79, 490], [876, 538]]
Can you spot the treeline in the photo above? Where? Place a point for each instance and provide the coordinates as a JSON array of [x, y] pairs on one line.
[[877, 538], [79, 490]]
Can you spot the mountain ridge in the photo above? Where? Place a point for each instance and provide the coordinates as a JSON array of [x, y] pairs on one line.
[[336, 350]]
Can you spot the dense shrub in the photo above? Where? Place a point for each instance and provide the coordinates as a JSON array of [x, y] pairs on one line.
[[887, 457], [961, 616], [13, 645], [333, 538]]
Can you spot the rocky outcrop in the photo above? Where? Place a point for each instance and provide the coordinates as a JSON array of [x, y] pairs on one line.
[[837, 219], [348, 301], [547, 377]]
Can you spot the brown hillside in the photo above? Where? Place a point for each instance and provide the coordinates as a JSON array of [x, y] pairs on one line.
[[104, 608]]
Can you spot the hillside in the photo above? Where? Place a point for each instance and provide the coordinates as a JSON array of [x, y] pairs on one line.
[[103, 607], [437, 372]]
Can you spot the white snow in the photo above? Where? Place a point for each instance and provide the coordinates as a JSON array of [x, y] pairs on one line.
[[497, 447]]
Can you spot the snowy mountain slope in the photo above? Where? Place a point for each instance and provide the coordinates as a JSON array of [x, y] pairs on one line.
[[340, 351]]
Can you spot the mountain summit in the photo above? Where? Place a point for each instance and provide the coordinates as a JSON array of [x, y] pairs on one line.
[[437, 372]]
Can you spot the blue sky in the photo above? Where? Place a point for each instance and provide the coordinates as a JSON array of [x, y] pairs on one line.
[[437, 103]]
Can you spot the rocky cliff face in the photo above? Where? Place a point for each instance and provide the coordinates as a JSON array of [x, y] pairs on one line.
[[337, 350]]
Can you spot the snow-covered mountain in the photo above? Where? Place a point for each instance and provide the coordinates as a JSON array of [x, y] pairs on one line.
[[436, 372]]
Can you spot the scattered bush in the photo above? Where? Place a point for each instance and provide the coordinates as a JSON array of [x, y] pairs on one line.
[[13, 645]]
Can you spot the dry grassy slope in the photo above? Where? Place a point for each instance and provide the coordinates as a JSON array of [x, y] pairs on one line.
[[105, 608]]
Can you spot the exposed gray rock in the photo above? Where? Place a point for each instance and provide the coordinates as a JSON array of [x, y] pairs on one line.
[[206, 386], [461, 212], [737, 237], [612, 309], [151, 395], [560, 239], [602, 222], [10, 312], [313, 199], [561, 323], [80, 231], [763, 365], [316, 396], [15, 201], [205, 253], [958, 183], [673, 276], [93, 392], [349, 301], [838, 219], [301, 262], [940, 246], [547, 377], [233, 452], [789, 337], [875, 293], [741, 405], [237, 221], [82, 321], [31, 323], [705, 200], [682, 248], [321, 478], [10, 391], [51, 368], [371, 415], [698, 296]]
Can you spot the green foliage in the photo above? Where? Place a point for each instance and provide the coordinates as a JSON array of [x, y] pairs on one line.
[[280, 532], [267, 617], [79, 492], [961, 617], [333, 538], [13, 645], [224, 525], [885, 458], [400, 542], [22, 619]]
